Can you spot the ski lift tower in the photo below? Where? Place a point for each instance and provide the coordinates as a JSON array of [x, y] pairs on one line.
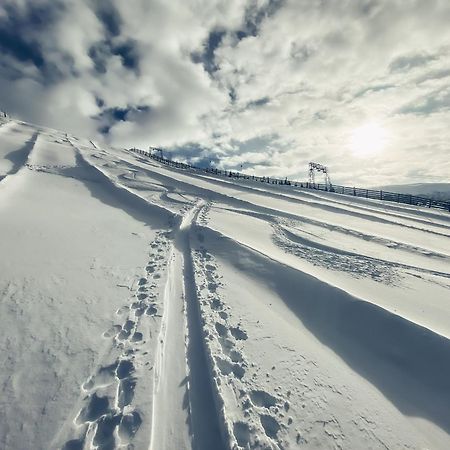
[[316, 167]]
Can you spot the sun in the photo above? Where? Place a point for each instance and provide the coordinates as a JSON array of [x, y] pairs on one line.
[[368, 140]]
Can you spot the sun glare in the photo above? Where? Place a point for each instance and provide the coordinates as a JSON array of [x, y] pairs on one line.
[[368, 140]]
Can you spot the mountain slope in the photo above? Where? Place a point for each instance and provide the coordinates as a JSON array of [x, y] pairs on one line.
[[154, 308]]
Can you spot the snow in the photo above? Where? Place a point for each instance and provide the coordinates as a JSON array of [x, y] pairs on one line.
[[156, 308]]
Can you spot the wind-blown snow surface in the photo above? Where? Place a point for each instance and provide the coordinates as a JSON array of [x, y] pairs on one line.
[[152, 308]]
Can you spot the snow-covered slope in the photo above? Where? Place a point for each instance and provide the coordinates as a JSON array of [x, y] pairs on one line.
[[155, 308], [439, 191]]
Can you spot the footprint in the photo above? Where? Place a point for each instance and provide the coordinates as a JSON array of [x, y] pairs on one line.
[[142, 296], [137, 337], [238, 371], [74, 444], [226, 368], [151, 310], [270, 425], [123, 335], [128, 325], [241, 432], [112, 331], [104, 435], [227, 345], [129, 425], [124, 369], [142, 281], [97, 407], [216, 304], [221, 329], [104, 377], [126, 392], [136, 305], [122, 310], [235, 356], [223, 315], [138, 312], [238, 333], [262, 398]]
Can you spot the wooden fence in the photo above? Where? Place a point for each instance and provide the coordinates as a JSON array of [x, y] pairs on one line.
[[346, 190]]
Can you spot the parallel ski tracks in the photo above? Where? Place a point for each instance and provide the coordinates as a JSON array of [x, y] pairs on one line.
[[184, 411]]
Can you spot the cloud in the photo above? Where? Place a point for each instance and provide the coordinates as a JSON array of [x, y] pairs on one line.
[[408, 62], [265, 84], [438, 101]]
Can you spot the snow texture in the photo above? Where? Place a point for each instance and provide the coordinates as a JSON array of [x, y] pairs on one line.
[[147, 307]]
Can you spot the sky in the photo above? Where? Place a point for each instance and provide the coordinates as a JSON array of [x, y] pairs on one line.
[[362, 87]]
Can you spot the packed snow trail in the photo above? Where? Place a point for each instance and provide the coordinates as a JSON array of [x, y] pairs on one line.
[[170, 417], [156, 308], [184, 414], [206, 420]]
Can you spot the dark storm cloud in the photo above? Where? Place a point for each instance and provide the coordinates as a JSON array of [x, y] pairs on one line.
[[206, 57], [109, 16], [129, 53], [110, 116], [20, 29], [255, 16], [102, 51]]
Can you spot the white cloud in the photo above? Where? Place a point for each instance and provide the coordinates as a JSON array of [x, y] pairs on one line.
[[296, 77]]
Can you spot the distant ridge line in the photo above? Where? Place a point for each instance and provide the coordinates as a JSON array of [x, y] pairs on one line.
[[374, 194]]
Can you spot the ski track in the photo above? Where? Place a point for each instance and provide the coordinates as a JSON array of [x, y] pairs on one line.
[[325, 198], [237, 203], [173, 372], [362, 350], [297, 221], [108, 417], [337, 208], [184, 414], [20, 158]]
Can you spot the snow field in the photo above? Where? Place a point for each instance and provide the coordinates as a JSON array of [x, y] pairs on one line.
[[154, 308]]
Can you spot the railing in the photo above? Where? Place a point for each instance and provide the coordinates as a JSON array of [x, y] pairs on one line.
[[353, 191]]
